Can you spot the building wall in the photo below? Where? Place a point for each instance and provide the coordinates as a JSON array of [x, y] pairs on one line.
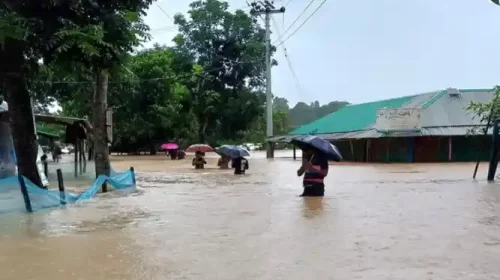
[[416, 149]]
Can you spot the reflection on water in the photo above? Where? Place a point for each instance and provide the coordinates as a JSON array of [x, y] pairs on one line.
[[375, 222]]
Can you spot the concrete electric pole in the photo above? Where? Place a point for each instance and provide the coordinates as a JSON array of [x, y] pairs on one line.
[[267, 8]]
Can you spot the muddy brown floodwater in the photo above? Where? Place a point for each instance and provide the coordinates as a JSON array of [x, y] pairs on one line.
[[376, 222]]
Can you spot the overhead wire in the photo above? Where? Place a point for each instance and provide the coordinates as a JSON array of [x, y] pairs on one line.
[[297, 18], [164, 12], [205, 71], [290, 65], [162, 29], [303, 23]]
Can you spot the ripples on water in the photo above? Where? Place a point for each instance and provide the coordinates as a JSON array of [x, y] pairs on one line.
[[376, 222]]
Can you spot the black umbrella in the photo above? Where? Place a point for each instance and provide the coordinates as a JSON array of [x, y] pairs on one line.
[[326, 148]]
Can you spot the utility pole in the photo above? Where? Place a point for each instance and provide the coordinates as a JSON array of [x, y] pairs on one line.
[[267, 8]]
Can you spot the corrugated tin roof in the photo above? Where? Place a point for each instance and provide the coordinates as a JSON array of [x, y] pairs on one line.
[[442, 115], [452, 111], [350, 118]]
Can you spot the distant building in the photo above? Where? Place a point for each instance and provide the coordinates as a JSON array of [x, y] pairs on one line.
[[429, 127]]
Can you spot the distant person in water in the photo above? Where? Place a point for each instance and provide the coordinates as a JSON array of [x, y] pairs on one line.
[[240, 165], [56, 153], [223, 162], [173, 154], [181, 154], [199, 161], [315, 169]]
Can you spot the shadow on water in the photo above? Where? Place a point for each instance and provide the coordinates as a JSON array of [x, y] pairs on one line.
[[375, 222]]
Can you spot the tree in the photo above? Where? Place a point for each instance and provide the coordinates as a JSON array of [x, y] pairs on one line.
[[27, 33], [302, 113], [95, 33], [159, 95], [228, 49], [487, 113], [99, 46], [149, 99], [280, 104]]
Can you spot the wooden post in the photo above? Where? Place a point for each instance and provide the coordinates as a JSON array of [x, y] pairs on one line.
[[450, 148], [46, 168], [60, 183], [352, 151], [294, 152], [84, 156], [387, 149], [133, 174], [494, 152], [411, 149], [25, 193], [76, 158], [80, 156], [368, 143]]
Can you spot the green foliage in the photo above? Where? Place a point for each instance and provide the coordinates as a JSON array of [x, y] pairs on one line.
[[486, 113], [207, 88], [302, 113], [229, 47]]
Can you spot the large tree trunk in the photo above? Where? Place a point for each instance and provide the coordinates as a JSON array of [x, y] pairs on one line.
[[13, 70], [202, 130], [101, 149]]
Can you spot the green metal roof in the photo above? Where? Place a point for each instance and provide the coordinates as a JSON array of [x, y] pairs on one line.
[[46, 131], [351, 117]]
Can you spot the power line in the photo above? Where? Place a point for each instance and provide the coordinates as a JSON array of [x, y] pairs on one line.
[[297, 18], [310, 16], [290, 65], [205, 71], [164, 12]]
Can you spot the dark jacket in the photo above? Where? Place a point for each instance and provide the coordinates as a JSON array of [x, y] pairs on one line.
[[240, 165]]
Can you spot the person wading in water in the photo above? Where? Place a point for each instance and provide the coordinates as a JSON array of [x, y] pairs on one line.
[[240, 165], [315, 169], [223, 162], [199, 161]]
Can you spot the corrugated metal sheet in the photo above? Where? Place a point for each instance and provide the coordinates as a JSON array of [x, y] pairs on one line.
[[372, 133], [452, 130], [452, 111], [422, 99], [351, 117], [442, 115]]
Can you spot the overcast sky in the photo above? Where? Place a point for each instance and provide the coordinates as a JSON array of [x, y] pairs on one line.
[[366, 50]]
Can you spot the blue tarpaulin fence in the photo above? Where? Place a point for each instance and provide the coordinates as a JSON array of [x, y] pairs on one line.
[[11, 197]]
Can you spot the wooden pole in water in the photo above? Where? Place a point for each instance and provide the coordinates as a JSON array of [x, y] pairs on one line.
[[80, 157], [46, 169], [494, 153], [76, 158], [352, 151], [84, 156], [26, 195], [60, 184], [133, 174]]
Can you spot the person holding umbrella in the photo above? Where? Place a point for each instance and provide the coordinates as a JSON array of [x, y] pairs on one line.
[[315, 155], [223, 162], [199, 161], [237, 154], [240, 165]]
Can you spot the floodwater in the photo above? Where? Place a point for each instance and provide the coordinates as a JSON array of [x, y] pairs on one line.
[[376, 222]]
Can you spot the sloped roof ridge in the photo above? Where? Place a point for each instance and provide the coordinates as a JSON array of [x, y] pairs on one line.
[[380, 101]]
